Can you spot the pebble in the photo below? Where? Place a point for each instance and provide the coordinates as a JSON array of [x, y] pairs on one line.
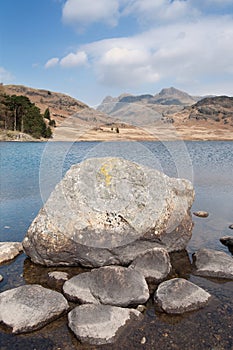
[[231, 226], [58, 275], [1, 278], [201, 214], [141, 308], [143, 341]]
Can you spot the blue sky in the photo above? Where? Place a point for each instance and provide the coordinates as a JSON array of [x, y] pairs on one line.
[[93, 48]]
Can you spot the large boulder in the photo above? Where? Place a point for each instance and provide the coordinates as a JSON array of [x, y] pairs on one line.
[[30, 307], [112, 285], [103, 207], [100, 324]]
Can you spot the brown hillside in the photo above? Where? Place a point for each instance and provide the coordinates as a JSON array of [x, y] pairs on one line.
[[60, 105]]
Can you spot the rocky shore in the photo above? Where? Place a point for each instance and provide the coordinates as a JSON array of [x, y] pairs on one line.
[[125, 226]]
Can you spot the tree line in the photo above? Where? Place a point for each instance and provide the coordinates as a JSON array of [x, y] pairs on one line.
[[18, 113]]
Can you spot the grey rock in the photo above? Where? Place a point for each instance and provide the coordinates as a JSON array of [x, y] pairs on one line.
[[112, 285], [59, 275], [9, 250], [103, 207], [154, 265], [1, 278], [201, 214], [178, 295], [100, 324], [213, 263], [30, 307]]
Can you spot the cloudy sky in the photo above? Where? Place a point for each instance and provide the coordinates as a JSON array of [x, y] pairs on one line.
[[93, 48]]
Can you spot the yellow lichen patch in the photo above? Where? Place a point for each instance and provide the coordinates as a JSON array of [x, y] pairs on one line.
[[104, 170]]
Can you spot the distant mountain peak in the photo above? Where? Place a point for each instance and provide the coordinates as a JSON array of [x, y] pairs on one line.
[[171, 91]]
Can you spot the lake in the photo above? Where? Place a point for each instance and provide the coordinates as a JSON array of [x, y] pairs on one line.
[[29, 172]]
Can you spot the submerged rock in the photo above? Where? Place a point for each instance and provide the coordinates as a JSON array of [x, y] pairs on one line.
[[59, 275], [213, 263], [112, 285], [102, 207], [201, 214], [178, 295], [100, 324], [154, 265], [30, 307], [9, 250]]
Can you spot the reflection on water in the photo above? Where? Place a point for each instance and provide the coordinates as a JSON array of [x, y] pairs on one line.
[[212, 173]]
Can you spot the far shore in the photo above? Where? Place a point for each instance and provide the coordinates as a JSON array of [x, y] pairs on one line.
[[104, 134]]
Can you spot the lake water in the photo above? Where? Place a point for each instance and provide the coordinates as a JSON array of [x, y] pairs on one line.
[[29, 171]]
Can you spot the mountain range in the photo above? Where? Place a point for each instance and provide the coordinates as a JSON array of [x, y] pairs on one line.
[[141, 117]]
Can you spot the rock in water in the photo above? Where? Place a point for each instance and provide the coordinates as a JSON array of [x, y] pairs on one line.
[[9, 250], [213, 263], [154, 265], [112, 285], [58, 275], [100, 324], [179, 295], [201, 214], [105, 209], [30, 307], [227, 240]]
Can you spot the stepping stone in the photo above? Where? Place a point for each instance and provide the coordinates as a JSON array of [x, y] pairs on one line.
[[112, 285], [100, 324], [178, 295], [213, 263], [30, 307]]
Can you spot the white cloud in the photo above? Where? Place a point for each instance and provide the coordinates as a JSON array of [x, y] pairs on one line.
[[123, 67], [183, 41], [74, 59], [71, 60], [52, 62], [5, 76], [84, 12], [122, 55], [148, 11], [190, 50]]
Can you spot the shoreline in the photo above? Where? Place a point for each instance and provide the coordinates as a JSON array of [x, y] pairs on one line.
[[125, 135]]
